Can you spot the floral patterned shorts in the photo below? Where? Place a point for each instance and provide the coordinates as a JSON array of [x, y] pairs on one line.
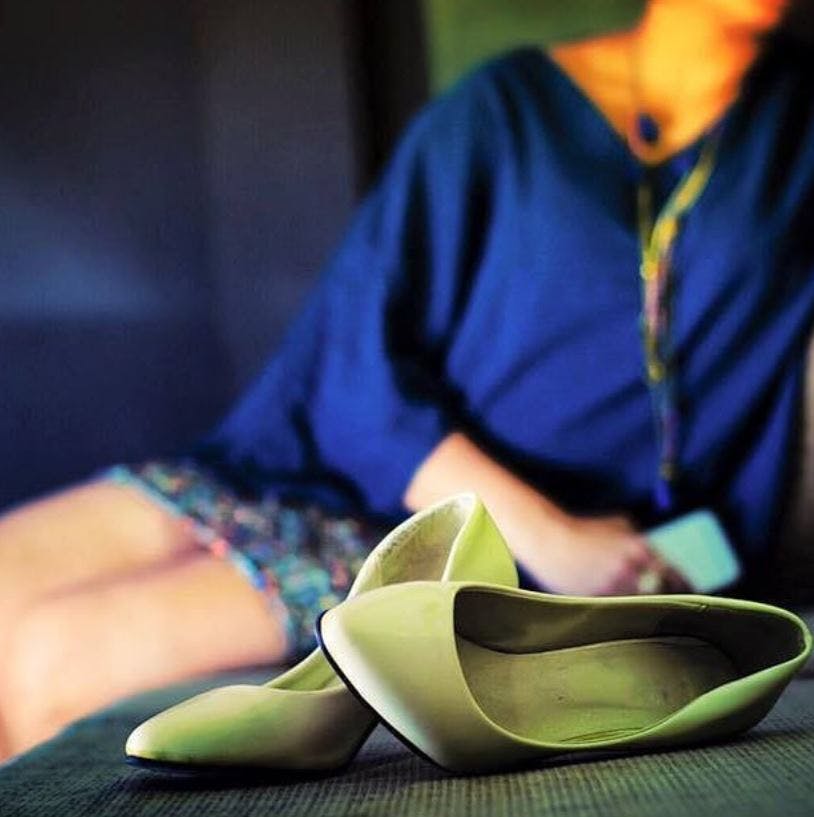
[[300, 558]]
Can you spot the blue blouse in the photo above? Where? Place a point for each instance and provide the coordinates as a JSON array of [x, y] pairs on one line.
[[490, 284]]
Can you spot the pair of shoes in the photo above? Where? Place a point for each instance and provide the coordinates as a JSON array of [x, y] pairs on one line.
[[481, 678], [306, 719], [437, 641]]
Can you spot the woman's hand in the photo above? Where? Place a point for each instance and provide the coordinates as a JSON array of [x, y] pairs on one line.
[[594, 557]]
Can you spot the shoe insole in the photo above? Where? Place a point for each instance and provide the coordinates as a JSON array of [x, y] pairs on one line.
[[592, 693]]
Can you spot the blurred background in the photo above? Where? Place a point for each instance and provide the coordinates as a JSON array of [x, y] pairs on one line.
[[173, 174]]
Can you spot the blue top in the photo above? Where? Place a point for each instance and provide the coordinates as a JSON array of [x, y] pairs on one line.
[[490, 284]]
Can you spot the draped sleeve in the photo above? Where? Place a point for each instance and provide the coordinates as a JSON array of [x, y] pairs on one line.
[[356, 396]]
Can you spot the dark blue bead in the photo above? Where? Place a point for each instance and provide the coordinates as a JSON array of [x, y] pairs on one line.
[[648, 128]]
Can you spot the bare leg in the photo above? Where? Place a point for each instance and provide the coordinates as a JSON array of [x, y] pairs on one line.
[[85, 533], [67, 553], [80, 649]]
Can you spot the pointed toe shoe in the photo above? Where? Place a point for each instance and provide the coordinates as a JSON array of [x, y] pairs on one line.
[[477, 677], [306, 719]]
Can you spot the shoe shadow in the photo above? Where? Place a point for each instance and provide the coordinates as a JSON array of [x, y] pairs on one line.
[[143, 782], [388, 761], [399, 763]]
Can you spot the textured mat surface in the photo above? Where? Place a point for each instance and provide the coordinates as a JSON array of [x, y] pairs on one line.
[[768, 772]]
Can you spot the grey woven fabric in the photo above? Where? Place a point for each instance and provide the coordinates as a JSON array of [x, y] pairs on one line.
[[768, 772]]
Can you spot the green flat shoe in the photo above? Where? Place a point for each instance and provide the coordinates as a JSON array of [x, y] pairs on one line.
[[477, 677], [306, 719]]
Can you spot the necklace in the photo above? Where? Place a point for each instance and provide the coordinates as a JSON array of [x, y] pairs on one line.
[[658, 233], [657, 238]]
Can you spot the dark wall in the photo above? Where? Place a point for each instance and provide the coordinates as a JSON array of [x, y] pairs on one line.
[[279, 156], [103, 283], [172, 175]]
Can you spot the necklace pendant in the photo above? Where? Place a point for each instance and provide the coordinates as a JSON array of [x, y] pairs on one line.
[[647, 129]]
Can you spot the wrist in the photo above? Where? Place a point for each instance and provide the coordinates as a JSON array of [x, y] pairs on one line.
[[531, 524], [538, 529]]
